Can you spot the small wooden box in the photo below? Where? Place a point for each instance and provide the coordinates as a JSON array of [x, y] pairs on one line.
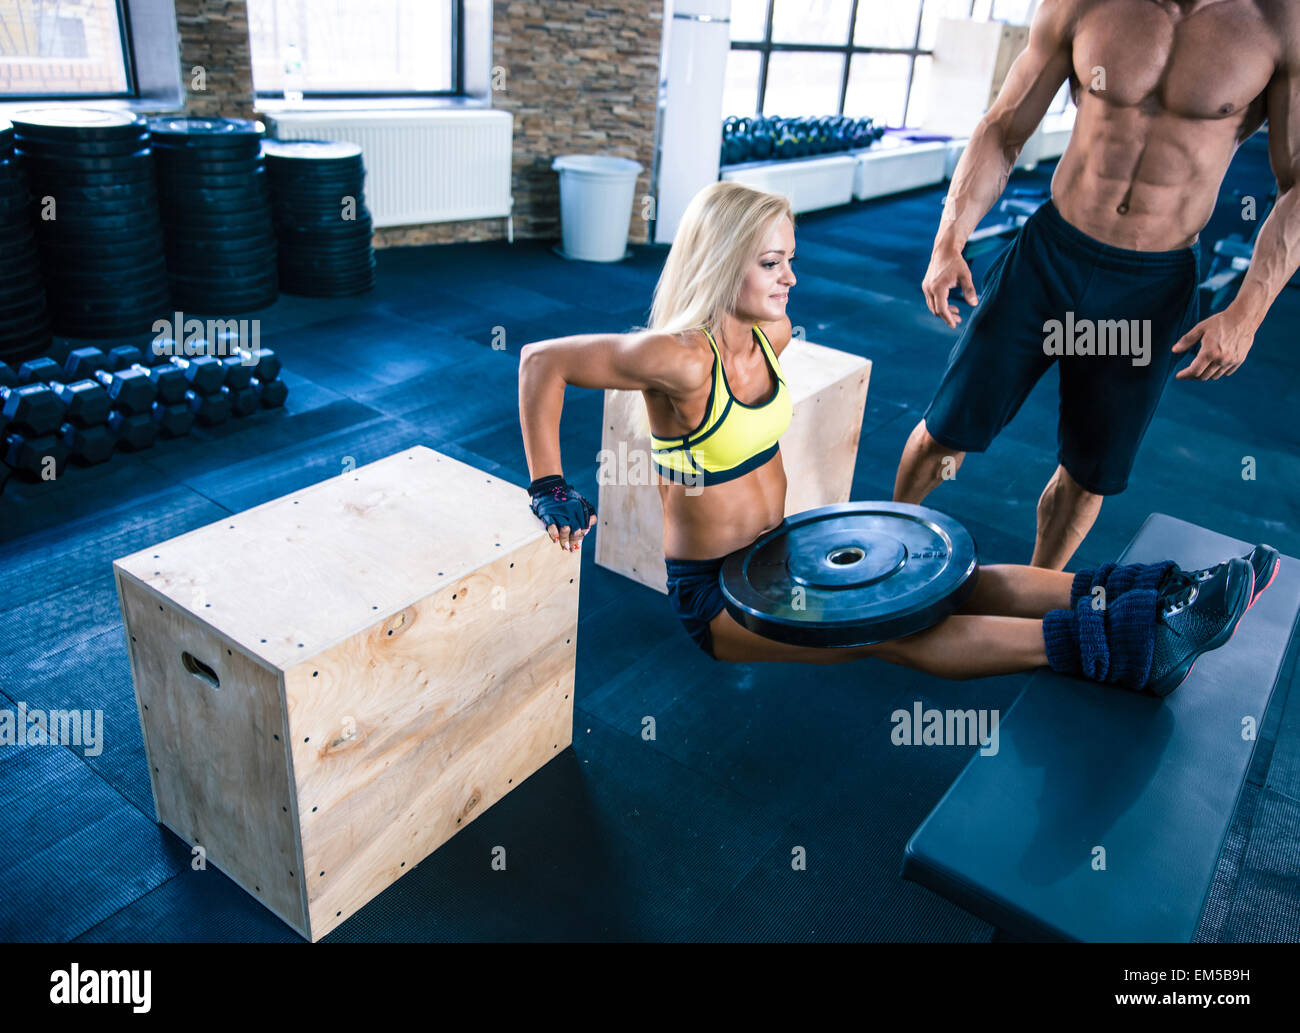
[[819, 451], [334, 683]]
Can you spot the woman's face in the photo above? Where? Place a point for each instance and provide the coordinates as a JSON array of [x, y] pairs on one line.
[[766, 288]]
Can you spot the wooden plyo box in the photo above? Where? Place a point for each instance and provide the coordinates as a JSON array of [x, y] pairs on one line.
[[332, 684], [819, 451]]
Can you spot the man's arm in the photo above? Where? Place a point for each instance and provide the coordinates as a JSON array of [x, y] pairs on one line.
[[986, 164], [1226, 337], [1277, 247]]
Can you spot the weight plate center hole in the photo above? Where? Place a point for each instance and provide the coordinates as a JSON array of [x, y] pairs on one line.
[[846, 555]]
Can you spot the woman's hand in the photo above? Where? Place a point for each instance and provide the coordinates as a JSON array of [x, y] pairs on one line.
[[566, 515]]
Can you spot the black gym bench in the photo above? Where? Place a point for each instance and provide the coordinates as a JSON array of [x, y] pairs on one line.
[[1102, 813]]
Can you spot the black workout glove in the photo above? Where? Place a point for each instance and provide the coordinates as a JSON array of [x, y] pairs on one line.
[[554, 501]]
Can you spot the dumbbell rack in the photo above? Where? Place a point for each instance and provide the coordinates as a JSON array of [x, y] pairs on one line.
[[99, 403]]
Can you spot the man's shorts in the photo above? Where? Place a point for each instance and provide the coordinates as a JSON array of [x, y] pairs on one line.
[[696, 596], [1054, 272]]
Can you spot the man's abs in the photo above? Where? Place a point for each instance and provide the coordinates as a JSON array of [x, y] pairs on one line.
[[1163, 102]]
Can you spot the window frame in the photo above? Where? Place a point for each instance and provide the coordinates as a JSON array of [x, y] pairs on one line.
[[457, 75], [766, 47], [132, 91]]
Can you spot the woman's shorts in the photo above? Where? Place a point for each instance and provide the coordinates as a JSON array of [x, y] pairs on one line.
[[696, 596]]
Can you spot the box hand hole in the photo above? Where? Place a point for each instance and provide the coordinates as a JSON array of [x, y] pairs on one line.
[[200, 670]]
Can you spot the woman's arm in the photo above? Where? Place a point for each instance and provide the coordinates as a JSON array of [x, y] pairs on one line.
[[643, 360]]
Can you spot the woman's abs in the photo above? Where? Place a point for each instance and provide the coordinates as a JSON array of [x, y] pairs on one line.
[[702, 523]]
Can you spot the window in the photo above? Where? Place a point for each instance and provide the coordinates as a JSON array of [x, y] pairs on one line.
[[63, 48], [340, 48], [861, 58]]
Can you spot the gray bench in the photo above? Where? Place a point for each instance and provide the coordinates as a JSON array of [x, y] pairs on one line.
[[1082, 766]]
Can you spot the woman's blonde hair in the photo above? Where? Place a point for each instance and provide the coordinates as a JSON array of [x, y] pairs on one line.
[[717, 239]]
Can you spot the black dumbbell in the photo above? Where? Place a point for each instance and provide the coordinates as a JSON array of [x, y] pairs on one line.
[[238, 372], [84, 363], [173, 421], [89, 445], [33, 408], [8, 378], [210, 409], [203, 373], [159, 352], [131, 390], [41, 371], [272, 393], [135, 431], [37, 457], [245, 402], [266, 364], [124, 357], [168, 381], [85, 402]]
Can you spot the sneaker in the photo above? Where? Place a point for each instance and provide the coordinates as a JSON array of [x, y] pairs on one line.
[[1263, 559], [1197, 615]]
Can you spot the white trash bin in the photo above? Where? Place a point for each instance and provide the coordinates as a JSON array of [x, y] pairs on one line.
[[595, 205]]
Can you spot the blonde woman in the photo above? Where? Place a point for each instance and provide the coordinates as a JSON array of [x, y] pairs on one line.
[[708, 367]]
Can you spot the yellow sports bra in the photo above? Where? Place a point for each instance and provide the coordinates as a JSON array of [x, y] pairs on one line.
[[734, 438]]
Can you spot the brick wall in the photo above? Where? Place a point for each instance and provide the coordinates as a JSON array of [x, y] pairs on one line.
[[214, 37]]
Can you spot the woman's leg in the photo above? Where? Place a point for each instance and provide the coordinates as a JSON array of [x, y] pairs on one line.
[[963, 646], [1010, 590]]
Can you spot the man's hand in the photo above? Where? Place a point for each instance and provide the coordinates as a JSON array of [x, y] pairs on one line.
[[1226, 338], [947, 270]]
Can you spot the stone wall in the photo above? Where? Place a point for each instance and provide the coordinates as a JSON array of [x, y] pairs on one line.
[[214, 40]]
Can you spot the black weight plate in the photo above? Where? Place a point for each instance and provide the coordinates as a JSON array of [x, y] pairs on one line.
[[126, 296], [20, 310], [57, 150], [343, 292], [90, 252], [225, 307], [135, 278], [13, 289], [47, 180], [212, 180], [206, 133], [851, 574], [79, 226], [322, 152], [307, 237], [221, 275], [219, 247], [67, 123], [107, 193], [68, 206], [41, 163], [182, 221], [352, 183], [24, 327], [249, 195]]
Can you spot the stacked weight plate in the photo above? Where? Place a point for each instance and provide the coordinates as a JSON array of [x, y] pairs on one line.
[[24, 322], [95, 209], [216, 208], [321, 221]]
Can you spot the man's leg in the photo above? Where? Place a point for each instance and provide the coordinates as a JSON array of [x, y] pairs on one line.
[[1066, 513], [925, 464]]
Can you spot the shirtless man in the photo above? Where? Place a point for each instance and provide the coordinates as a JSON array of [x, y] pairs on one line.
[[1166, 90]]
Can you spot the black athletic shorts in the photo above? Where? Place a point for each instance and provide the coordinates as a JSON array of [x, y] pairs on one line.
[[696, 597], [1056, 288]]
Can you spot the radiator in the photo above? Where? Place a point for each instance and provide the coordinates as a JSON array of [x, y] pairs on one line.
[[421, 166]]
